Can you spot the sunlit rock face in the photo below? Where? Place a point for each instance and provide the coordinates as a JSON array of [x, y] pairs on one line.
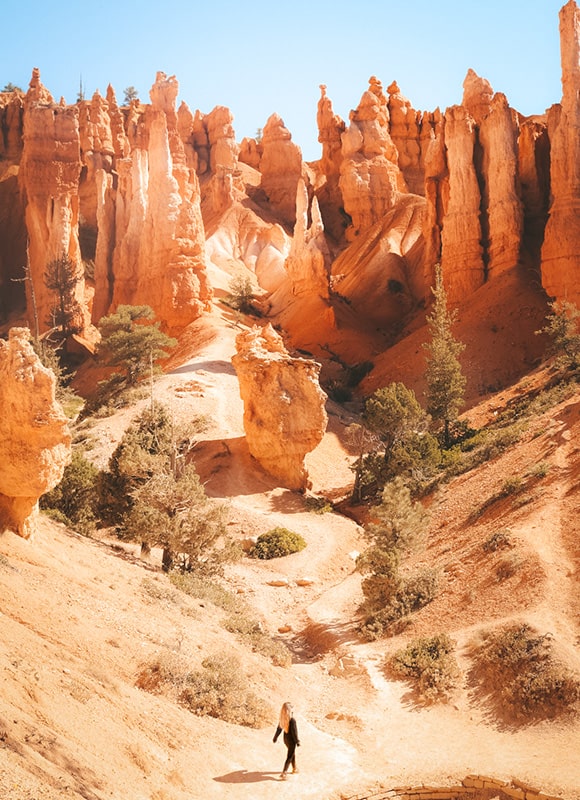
[[281, 168], [284, 406], [49, 179], [35, 441], [370, 178], [561, 248]]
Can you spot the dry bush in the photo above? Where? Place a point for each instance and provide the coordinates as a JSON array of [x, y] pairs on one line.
[[218, 690], [517, 667], [430, 663]]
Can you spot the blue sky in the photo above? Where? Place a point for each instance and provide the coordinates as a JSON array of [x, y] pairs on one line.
[[259, 57]]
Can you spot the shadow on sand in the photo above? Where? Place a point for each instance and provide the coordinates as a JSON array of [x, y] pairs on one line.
[[243, 776]]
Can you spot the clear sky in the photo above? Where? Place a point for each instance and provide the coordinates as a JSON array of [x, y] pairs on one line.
[[259, 57]]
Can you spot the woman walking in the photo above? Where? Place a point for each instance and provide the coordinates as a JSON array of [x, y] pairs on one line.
[[287, 725]]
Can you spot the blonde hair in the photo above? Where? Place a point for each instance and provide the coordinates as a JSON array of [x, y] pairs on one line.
[[286, 713]]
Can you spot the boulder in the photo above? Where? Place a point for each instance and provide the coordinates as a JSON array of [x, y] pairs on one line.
[[35, 440], [284, 406]]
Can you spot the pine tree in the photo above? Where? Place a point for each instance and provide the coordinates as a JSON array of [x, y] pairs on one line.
[[445, 380], [130, 344], [61, 277]]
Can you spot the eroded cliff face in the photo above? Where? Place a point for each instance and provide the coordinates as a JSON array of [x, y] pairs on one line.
[[284, 406], [159, 238], [35, 441], [561, 249], [49, 176], [151, 194]]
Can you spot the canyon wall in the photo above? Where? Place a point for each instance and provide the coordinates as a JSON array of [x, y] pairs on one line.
[[134, 191], [561, 248]]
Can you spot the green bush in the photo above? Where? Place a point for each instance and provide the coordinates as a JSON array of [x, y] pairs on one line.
[[75, 497], [430, 663], [276, 543], [517, 667]]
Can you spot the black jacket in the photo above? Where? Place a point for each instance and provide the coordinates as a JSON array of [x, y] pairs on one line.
[[292, 736]]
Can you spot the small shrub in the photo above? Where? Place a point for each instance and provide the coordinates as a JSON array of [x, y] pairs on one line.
[[511, 485], [539, 470], [508, 566], [241, 294], [430, 663], [411, 595], [219, 690], [319, 505], [500, 540], [516, 665], [277, 543]]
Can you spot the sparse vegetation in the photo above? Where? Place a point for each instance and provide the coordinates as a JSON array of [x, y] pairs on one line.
[[218, 689], [563, 327], [431, 665], [517, 667], [276, 543], [240, 619]]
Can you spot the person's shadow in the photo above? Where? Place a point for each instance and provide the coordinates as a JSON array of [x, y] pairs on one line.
[[243, 776]]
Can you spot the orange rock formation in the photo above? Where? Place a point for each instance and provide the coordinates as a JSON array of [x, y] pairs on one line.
[[561, 250], [35, 441], [284, 413]]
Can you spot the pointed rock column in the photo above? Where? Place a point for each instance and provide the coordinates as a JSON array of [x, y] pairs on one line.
[[35, 441], [49, 180], [370, 178], [284, 413], [498, 134], [561, 249], [160, 239], [281, 167], [461, 252]]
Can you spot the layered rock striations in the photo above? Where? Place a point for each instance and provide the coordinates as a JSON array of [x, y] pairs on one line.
[[159, 238], [561, 248], [35, 441], [49, 182], [284, 406]]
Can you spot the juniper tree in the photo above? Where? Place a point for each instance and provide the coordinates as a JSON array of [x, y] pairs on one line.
[[445, 380]]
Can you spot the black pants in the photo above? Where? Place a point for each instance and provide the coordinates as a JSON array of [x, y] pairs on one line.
[[291, 755]]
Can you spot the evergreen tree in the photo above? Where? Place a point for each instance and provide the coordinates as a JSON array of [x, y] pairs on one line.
[[61, 277], [129, 342], [130, 93], [445, 380]]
